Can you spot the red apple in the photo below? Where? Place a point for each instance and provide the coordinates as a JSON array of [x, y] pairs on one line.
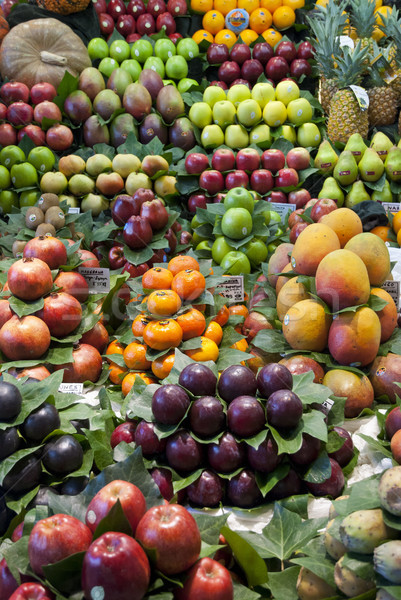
[[248, 159], [131, 498], [34, 132], [3, 112], [273, 159], [217, 54], [223, 160], [253, 323], [115, 564], [311, 203], [262, 181], [221, 84], [31, 591], [174, 37], [240, 53], [277, 68], [298, 158], [133, 37], [106, 23], [299, 197], [8, 583], [296, 230], [295, 217], [8, 135], [277, 196], [196, 201], [207, 579], [177, 8], [211, 181], [241, 82], [251, 70], [19, 113], [14, 91], [299, 67], [236, 178], [136, 8], [125, 25], [125, 432], [100, 6], [115, 8], [229, 71], [305, 50], [324, 206], [166, 22], [146, 25], [54, 538], [286, 178], [286, 50], [263, 52], [42, 91], [196, 163], [170, 535]]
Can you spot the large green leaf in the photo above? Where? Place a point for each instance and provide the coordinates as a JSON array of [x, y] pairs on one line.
[[65, 575], [115, 520], [210, 526], [247, 557], [267, 481], [308, 391], [283, 584], [319, 470], [99, 441]]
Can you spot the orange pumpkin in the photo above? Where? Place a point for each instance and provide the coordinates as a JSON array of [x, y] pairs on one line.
[[64, 7], [4, 27]]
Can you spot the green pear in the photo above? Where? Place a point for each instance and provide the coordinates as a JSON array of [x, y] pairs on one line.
[[371, 166], [326, 158], [357, 146], [346, 169], [385, 195], [332, 190], [356, 194], [393, 164], [382, 144]]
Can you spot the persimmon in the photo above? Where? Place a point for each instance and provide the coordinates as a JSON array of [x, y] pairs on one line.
[[161, 367], [164, 303], [181, 263], [188, 284], [161, 335], [157, 278], [135, 357], [208, 351], [192, 323]]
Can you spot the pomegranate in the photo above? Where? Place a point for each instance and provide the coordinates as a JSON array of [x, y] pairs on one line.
[[62, 313], [89, 259], [74, 284], [29, 278], [86, 365], [97, 337], [49, 249], [40, 372], [25, 338], [253, 323], [5, 312]]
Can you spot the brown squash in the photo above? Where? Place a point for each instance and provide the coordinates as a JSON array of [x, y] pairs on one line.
[[64, 7], [4, 28], [42, 50]]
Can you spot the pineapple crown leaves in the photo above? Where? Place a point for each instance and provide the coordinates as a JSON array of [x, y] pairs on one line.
[[390, 25], [350, 65], [374, 78], [363, 18]]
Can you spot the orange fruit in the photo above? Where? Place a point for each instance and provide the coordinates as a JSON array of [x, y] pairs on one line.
[[135, 357], [222, 316], [201, 35], [382, 11], [382, 231], [192, 323], [188, 284], [162, 366], [225, 36], [225, 6], [270, 5], [294, 4], [260, 20], [272, 36], [238, 310], [208, 351], [283, 17], [116, 374], [201, 6], [214, 332], [129, 381], [397, 222], [139, 324], [248, 5], [248, 36], [164, 303], [213, 21], [180, 263], [114, 348], [399, 238], [157, 278], [241, 345], [162, 335]]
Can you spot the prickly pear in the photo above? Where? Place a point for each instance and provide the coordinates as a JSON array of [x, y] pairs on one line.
[[348, 583], [387, 561], [362, 530], [384, 595], [334, 547], [333, 511], [390, 490], [312, 587]]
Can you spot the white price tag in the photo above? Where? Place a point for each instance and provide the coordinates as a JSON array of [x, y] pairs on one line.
[[282, 208], [71, 388], [391, 206], [74, 210], [327, 405], [393, 288], [98, 280], [346, 42], [361, 95], [232, 288]]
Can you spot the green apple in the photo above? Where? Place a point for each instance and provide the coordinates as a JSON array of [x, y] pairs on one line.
[[238, 93], [224, 113], [195, 222], [236, 136], [205, 245], [261, 136], [11, 155], [308, 135], [200, 114], [236, 263], [107, 66], [212, 136], [288, 132], [141, 50], [272, 246], [271, 217], [98, 48], [133, 67], [164, 49], [23, 175], [156, 64], [299, 111], [249, 113], [275, 113], [263, 93], [8, 199], [239, 197], [286, 91], [213, 94], [119, 50], [176, 67], [236, 223], [256, 252], [42, 158], [185, 84], [197, 239], [29, 198], [5, 178], [169, 82], [220, 248], [188, 48]]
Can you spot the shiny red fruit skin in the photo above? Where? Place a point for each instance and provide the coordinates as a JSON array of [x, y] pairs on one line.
[[31, 591], [207, 579], [131, 498]]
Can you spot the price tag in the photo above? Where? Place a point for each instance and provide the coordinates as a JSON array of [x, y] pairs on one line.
[[346, 42], [98, 280], [391, 206], [74, 210], [71, 388], [361, 95], [232, 288], [282, 208], [327, 405], [393, 288]]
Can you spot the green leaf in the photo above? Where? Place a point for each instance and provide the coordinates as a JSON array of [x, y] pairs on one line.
[[75, 506], [247, 557], [267, 481], [115, 520], [22, 308], [8, 463], [109, 151], [314, 425], [363, 495], [180, 483], [320, 470], [308, 391], [391, 520], [18, 505], [360, 565], [290, 441], [375, 303], [141, 406], [393, 590], [210, 526], [16, 556], [283, 584], [230, 356], [378, 445], [244, 593], [297, 504], [65, 575], [272, 341], [319, 565], [99, 441]]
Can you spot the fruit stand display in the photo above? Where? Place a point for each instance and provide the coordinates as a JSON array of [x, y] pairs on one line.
[[200, 291]]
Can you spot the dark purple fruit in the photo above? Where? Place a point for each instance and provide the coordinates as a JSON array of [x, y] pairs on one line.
[[308, 452], [120, 127], [332, 486], [137, 232], [9, 442], [24, 476], [290, 485], [198, 379], [207, 417], [235, 381], [41, 422], [283, 409], [95, 133], [10, 401], [181, 134], [153, 126], [169, 404], [183, 452], [74, 485], [164, 481], [169, 103], [273, 377], [265, 457], [146, 437], [227, 454], [124, 207], [245, 416], [344, 454], [243, 491], [151, 81], [63, 455], [206, 491], [137, 101]]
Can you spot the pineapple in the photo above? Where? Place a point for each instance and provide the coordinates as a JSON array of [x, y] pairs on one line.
[[391, 26], [346, 116], [363, 21], [382, 97]]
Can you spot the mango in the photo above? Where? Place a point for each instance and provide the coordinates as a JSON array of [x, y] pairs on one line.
[[384, 375], [291, 293], [306, 326], [388, 315], [354, 337], [374, 253], [345, 222], [312, 245], [357, 390]]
